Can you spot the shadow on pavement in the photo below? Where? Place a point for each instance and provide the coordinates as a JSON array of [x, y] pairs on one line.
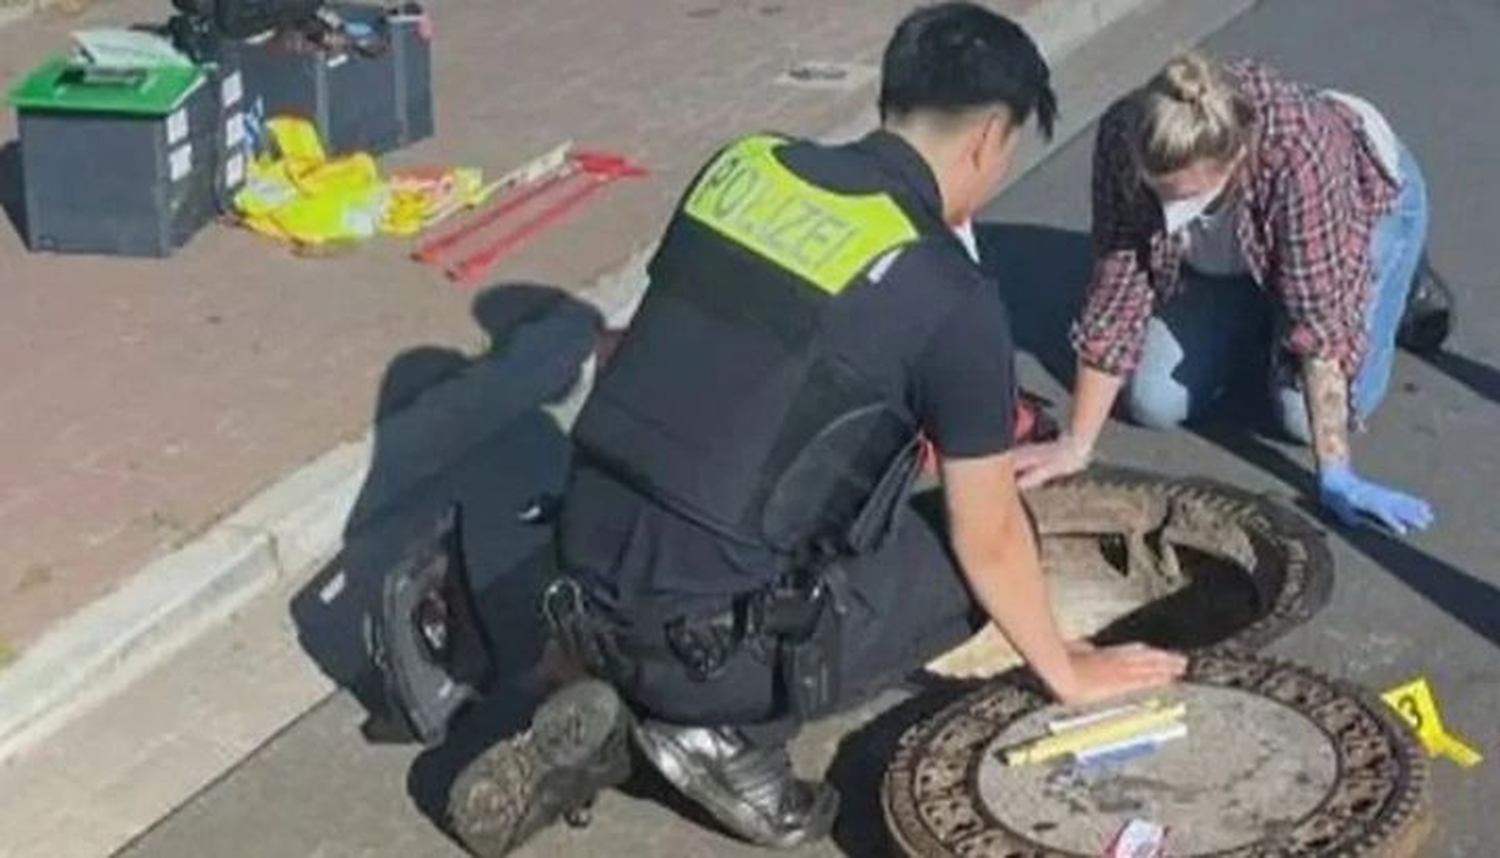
[[858, 768], [491, 421], [1464, 597], [1479, 378], [11, 191], [1043, 272]]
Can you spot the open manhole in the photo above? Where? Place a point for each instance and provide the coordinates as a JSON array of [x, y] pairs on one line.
[[1184, 564], [1277, 761]]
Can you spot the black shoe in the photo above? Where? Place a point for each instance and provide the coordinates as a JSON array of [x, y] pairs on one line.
[[1428, 318], [751, 791], [577, 746]]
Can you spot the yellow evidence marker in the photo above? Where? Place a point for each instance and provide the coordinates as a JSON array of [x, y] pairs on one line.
[[1417, 706]]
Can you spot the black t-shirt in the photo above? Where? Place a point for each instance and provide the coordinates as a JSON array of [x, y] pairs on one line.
[[927, 324]]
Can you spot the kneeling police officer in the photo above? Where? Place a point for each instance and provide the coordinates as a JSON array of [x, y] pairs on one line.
[[741, 547]]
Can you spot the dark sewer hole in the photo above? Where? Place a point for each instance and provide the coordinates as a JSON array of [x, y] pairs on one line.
[[1221, 600]]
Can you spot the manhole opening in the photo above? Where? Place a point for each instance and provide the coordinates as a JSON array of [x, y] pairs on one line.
[[1131, 557], [1218, 598]]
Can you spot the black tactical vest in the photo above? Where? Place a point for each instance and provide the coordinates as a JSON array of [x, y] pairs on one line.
[[791, 449]]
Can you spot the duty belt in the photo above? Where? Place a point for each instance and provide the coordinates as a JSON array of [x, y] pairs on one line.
[[596, 635]]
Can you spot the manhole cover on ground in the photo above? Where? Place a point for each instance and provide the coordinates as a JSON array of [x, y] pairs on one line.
[[1278, 761], [1185, 564]]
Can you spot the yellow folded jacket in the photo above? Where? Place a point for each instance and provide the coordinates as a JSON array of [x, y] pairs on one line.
[[304, 197]]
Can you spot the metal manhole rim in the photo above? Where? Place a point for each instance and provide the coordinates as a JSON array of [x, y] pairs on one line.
[[1400, 822], [1295, 605], [1277, 550]]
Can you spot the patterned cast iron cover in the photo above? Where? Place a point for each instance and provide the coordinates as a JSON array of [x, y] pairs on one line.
[[1278, 761], [1181, 563]]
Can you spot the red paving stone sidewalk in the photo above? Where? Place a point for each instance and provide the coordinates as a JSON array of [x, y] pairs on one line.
[[143, 400]]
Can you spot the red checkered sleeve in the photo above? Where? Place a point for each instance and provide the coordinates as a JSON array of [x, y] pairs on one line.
[[1111, 329], [1321, 265]]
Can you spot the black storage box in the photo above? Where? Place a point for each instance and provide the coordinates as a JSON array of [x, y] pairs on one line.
[[239, 19], [129, 183], [374, 102]]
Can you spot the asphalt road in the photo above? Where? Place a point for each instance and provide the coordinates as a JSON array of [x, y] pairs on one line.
[[1430, 605]]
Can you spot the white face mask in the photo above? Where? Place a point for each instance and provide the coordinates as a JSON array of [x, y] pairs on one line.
[[1180, 213]]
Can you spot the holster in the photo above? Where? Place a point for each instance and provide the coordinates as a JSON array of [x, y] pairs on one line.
[[581, 631], [804, 620]]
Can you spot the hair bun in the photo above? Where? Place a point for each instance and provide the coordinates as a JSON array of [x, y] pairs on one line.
[[1190, 111], [1187, 78]]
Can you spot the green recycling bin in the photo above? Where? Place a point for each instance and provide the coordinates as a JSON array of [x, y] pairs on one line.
[[127, 162]]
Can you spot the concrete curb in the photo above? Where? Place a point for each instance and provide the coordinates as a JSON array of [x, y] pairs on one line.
[[102, 648], [298, 523]]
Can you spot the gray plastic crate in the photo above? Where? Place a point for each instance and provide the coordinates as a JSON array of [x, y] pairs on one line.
[[129, 185]]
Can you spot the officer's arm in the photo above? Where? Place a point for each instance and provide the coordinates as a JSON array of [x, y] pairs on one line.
[[998, 554]]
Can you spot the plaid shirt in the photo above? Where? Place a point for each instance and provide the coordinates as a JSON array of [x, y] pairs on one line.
[[1309, 193]]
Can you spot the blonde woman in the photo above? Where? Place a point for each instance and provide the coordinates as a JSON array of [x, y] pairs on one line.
[[1242, 221]]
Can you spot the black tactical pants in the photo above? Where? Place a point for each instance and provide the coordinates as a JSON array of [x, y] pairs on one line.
[[901, 607]]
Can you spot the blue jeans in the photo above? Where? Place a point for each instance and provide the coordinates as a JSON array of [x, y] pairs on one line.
[[1222, 328]]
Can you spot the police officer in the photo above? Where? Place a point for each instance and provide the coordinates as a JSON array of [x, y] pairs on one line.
[[742, 551]]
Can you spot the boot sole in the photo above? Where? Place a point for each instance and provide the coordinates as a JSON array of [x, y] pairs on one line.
[[693, 781], [1427, 321], [576, 747], [1428, 334]]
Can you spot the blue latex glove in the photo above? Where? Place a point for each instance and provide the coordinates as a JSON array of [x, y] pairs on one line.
[[1356, 501]]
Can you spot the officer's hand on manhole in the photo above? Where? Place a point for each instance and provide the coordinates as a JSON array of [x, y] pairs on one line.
[[1099, 674]]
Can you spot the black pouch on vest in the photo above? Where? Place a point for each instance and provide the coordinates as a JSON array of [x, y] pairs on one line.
[[847, 486], [877, 522]]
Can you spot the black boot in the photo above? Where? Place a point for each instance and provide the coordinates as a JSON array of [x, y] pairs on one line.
[[577, 746], [1428, 318], [750, 790]]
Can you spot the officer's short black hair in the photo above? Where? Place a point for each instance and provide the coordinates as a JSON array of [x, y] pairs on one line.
[[956, 56]]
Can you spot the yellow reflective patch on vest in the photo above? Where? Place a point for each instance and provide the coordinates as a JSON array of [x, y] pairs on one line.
[[825, 238]]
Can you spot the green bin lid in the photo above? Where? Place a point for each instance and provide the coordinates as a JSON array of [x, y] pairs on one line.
[[61, 84]]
